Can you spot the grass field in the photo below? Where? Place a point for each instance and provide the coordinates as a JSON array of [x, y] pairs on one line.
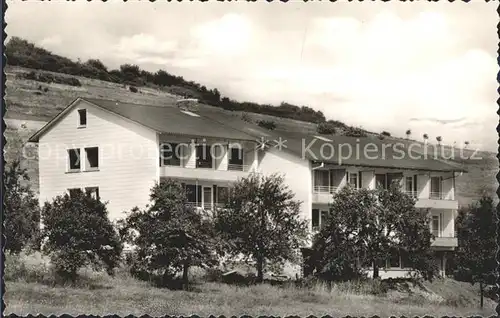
[[30, 289]]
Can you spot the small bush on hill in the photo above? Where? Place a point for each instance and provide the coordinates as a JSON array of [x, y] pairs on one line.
[[133, 89], [354, 132], [78, 233], [246, 117], [267, 124], [385, 133], [326, 128], [50, 78]]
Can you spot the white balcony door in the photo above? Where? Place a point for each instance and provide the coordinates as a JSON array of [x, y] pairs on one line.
[[436, 187], [321, 180], [436, 225], [207, 197]]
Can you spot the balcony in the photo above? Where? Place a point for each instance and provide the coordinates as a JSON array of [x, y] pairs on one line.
[[206, 206], [413, 194], [323, 194], [446, 242], [209, 174], [437, 200]]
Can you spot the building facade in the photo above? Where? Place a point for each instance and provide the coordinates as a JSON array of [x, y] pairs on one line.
[[118, 151]]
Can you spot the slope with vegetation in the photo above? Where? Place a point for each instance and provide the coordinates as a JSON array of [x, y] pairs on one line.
[[40, 84]]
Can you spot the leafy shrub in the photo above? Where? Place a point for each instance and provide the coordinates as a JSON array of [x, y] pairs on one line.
[[27, 267], [78, 233], [246, 117], [50, 78], [267, 124], [385, 133], [133, 89], [326, 128], [22, 212], [354, 132], [170, 236]]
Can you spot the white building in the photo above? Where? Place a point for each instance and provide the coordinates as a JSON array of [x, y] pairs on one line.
[[112, 149]]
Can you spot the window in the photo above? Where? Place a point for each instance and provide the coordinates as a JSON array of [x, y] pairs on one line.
[[235, 158], [411, 185], [435, 225], [405, 260], [315, 219], [187, 112], [93, 192], [74, 159], [222, 195], [323, 218], [436, 187], [193, 194], [336, 177], [394, 179], [321, 180], [354, 180], [207, 197], [170, 154], [73, 193], [381, 181], [92, 155], [323, 138], [82, 117], [394, 260], [203, 157]]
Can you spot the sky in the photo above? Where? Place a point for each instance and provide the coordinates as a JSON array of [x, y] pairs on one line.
[[428, 66]]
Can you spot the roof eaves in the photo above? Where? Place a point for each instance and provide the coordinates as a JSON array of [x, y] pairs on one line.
[[36, 136]]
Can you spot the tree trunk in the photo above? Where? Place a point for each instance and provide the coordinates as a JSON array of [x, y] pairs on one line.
[[185, 278], [375, 270], [481, 289], [165, 278], [260, 270]]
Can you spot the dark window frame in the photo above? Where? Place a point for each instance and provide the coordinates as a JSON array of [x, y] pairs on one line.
[[174, 154], [91, 165], [74, 160], [82, 118]]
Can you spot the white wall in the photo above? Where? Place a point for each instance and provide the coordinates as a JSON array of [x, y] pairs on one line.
[[128, 159], [297, 174], [368, 179]]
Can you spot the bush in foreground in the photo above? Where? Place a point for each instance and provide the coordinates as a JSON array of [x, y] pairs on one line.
[[170, 236], [78, 233], [261, 221], [22, 213]]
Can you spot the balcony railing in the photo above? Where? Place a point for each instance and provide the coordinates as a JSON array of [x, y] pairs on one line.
[[325, 189], [206, 206], [437, 196], [413, 194], [238, 167]]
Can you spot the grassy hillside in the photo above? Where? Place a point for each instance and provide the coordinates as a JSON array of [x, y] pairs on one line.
[[31, 289]]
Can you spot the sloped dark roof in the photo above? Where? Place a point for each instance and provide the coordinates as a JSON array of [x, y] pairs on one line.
[[364, 151], [372, 152], [170, 119]]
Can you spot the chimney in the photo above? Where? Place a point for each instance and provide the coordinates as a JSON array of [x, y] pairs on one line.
[[189, 104]]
